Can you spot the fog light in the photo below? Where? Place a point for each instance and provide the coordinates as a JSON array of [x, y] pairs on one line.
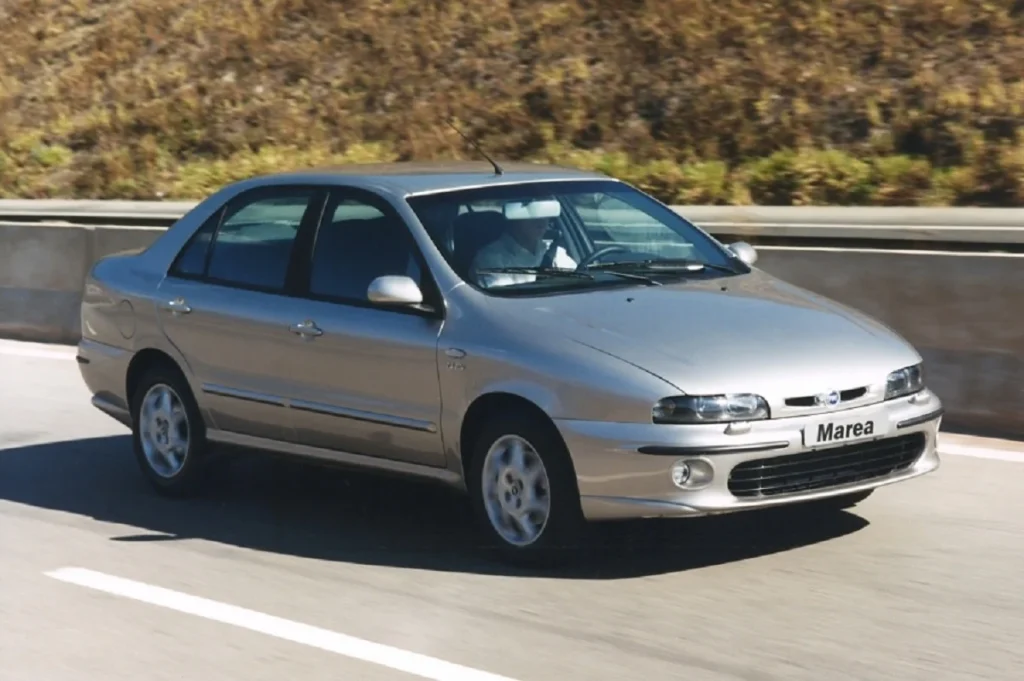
[[691, 474], [681, 473]]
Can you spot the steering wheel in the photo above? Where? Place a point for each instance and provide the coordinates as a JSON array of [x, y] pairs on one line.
[[599, 253]]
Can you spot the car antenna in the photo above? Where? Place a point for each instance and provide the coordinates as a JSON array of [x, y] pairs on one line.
[[497, 168]]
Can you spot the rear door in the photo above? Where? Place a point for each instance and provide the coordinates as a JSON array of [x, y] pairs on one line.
[[226, 306]]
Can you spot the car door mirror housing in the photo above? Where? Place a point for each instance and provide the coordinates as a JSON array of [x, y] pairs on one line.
[[744, 251], [395, 290]]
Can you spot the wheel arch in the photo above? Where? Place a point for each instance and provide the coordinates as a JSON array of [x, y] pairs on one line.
[[142, 361], [486, 407]]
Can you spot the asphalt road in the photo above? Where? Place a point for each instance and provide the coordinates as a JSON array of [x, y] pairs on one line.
[[345, 576]]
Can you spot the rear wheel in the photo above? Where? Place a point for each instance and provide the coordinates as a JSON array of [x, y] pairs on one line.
[[524, 492], [168, 434]]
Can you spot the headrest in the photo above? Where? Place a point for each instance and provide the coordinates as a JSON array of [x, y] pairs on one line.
[[485, 220]]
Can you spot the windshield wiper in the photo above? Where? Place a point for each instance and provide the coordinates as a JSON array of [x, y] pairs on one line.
[[542, 271], [556, 272], [634, 277], [668, 264]]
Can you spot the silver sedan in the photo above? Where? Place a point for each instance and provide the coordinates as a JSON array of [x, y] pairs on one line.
[[557, 344]]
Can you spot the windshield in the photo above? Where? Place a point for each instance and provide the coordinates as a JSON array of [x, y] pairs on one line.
[[538, 237]]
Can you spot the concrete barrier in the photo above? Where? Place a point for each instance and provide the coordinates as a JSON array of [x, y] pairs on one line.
[[42, 274], [962, 310]]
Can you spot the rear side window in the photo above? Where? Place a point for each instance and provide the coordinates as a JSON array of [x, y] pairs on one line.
[[251, 247]]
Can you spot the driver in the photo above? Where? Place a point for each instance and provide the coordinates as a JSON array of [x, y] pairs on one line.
[[520, 245]]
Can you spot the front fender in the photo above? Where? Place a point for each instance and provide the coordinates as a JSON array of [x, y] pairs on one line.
[[566, 380]]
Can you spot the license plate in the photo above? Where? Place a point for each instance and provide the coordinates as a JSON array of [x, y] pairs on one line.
[[837, 430]]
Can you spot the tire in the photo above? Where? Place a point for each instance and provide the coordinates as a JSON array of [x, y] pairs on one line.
[[150, 434], [561, 534]]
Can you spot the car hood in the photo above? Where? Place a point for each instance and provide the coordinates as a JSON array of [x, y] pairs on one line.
[[751, 333]]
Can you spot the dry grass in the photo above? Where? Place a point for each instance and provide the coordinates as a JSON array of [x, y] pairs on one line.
[[806, 101]]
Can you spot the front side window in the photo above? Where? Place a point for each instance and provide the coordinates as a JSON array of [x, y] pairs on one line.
[[252, 248], [357, 243], [539, 237]]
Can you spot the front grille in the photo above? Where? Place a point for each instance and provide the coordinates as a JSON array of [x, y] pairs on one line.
[[811, 400], [825, 468]]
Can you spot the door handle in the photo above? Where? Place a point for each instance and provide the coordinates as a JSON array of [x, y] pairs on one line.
[[177, 306], [306, 329]]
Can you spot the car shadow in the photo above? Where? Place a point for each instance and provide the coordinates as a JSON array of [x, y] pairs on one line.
[[295, 508]]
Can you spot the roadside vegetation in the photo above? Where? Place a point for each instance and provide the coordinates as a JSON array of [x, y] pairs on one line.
[[856, 102]]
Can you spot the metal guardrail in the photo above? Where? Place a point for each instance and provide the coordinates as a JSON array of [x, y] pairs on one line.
[[944, 225], [977, 227], [126, 213]]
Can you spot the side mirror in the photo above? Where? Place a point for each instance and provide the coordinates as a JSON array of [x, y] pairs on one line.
[[744, 251], [394, 290]]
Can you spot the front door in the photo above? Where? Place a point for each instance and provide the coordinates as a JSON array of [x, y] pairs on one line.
[[365, 376], [224, 307]]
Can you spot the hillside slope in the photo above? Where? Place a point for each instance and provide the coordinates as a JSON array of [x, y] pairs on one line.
[[825, 101]]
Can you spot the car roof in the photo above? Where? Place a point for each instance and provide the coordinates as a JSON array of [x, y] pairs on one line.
[[417, 177]]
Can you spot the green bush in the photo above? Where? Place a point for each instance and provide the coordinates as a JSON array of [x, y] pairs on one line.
[[731, 101]]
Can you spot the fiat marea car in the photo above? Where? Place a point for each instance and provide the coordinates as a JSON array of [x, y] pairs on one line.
[[556, 344]]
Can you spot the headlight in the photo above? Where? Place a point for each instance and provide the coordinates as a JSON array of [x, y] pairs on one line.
[[905, 381], [710, 409]]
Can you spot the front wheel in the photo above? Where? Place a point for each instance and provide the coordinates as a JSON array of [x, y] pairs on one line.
[[524, 492]]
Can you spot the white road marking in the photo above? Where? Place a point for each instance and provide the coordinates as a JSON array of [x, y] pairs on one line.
[[11, 348], [982, 453], [386, 656]]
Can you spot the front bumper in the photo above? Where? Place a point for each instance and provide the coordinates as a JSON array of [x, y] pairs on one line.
[[624, 470]]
